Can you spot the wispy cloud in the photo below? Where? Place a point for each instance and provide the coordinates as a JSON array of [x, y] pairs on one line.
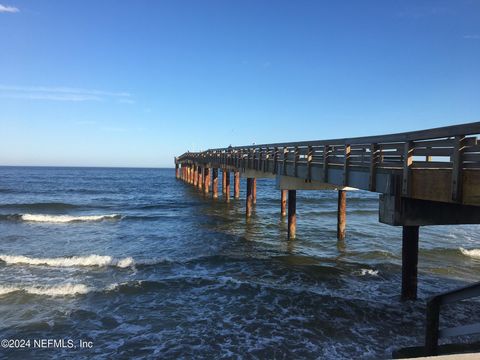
[[61, 94], [8, 9], [472, 37]]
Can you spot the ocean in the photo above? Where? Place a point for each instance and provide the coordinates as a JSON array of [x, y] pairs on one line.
[[137, 264]]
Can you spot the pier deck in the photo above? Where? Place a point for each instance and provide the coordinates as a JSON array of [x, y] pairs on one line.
[[427, 177]]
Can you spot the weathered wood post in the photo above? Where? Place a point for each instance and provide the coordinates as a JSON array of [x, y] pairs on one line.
[[224, 181], [249, 197], [341, 214], [177, 171], [195, 175], [254, 190], [227, 186], [292, 214], [189, 174], [206, 185], [200, 178], [215, 183], [236, 185], [283, 202], [409, 262]]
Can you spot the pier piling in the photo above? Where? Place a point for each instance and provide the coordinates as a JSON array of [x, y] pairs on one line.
[[283, 202], [409, 262], [341, 214], [227, 186], [224, 182], [292, 214], [215, 183], [249, 197], [254, 190], [206, 185], [236, 185]]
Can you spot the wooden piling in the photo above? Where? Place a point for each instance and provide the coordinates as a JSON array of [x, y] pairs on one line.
[[195, 176], [200, 178], [249, 197], [227, 186], [254, 190], [215, 183], [283, 202], [177, 172], [236, 185], [224, 182], [292, 214], [206, 185], [341, 214], [409, 262]]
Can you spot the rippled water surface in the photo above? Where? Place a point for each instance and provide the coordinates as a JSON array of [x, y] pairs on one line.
[[145, 266]]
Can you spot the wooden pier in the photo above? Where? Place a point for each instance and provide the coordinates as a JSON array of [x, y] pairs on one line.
[[427, 177]]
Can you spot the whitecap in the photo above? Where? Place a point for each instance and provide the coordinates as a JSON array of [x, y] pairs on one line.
[[90, 260], [474, 253], [56, 290], [370, 272], [67, 218]]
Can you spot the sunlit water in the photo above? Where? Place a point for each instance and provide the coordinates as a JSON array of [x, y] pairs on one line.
[[145, 266]]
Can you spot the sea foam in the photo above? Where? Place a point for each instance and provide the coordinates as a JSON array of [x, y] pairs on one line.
[[56, 290], [474, 253], [90, 260], [67, 218]]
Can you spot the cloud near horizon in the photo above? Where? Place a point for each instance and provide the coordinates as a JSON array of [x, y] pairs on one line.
[[61, 94], [8, 9]]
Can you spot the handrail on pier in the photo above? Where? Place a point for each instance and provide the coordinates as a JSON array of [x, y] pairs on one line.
[[433, 332]]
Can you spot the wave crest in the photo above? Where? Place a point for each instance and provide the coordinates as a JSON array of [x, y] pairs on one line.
[[90, 260], [56, 290], [67, 218], [474, 253]]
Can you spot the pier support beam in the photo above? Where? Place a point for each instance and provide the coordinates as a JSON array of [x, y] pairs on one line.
[[409, 262], [283, 202], [206, 185], [249, 197], [215, 183], [236, 185], [227, 186], [254, 190], [177, 172], [195, 175], [292, 214], [341, 214]]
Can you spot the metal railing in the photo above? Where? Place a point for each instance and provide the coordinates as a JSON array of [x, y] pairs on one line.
[[433, 332]]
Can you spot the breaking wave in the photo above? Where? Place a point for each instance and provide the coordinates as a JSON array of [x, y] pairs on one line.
[[474, 253], [67, 218], [90, 260], [56, 290]]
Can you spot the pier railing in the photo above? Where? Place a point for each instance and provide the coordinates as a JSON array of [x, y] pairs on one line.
[[453, 148], [433, 332]]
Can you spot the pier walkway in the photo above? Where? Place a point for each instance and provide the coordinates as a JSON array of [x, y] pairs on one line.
[[427, 177]]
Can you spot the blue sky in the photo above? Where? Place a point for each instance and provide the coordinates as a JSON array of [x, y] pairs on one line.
[[133, 83]]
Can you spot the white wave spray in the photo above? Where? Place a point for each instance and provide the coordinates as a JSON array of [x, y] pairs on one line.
[[56, 290], [67, 218], [474, 253], [90, 260]]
